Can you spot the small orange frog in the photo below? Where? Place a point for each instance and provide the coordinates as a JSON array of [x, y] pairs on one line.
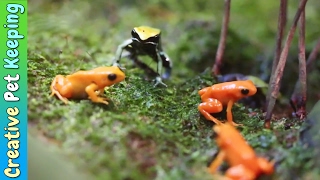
[[86, 84], [243, 162], [222, 94]]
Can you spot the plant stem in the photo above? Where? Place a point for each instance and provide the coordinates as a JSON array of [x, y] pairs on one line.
[[275, 84], [223, 36], [313, 55], [299, 96], [282, 20]]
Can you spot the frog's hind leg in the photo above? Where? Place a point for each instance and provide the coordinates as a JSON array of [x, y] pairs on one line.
[[143, 66], [204, 90], [57, 89], [216, 162], [210, 106], [166, 63], [148, 70], [240, 172], [52, 87], [63, 99]]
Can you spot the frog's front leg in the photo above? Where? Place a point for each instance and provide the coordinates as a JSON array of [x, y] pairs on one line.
[[210, 105], [217, 162], [240, 172], [91, 91], [116, 61], [100, 92], [229, 114], [159, 81]]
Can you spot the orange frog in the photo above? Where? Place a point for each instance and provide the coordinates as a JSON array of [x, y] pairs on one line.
[[243, 162], [86, 84], [224, 94]]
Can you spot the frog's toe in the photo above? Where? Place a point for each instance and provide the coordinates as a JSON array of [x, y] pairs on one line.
[[64, 100], [216, 121], [103, 100], [158, 82], [236, 124]]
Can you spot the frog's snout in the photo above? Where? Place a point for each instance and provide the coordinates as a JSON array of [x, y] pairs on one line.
[[121, 76]]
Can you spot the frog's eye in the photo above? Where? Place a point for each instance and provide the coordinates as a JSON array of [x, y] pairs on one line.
[[135, 35], [112, 77], [244, 91]]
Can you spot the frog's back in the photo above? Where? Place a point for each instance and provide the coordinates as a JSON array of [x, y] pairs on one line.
[[101, 76], [236, 147], [217, 88], [239, 152], [92, 74], [83, 77], [204, 90]]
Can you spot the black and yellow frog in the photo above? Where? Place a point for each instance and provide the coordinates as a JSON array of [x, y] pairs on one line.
[[146, 40]]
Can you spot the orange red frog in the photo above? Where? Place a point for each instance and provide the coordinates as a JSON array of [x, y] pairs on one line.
[[244, 163], [86, 84], [215, 97]]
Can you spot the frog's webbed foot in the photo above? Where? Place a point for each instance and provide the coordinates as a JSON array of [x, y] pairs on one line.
[[97, 99], [158, 81], [65, 100], [101, 92], [235, 124], [101, 100]]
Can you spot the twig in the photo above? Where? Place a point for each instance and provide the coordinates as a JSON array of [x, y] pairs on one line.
[[275, 84], [223, 36], [313, 55], [299, 96], [282, 20]]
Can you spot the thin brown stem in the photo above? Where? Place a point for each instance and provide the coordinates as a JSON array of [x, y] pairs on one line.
[[275, 84], [223, 36], [313, 55], [299, 96], [282, 20]]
